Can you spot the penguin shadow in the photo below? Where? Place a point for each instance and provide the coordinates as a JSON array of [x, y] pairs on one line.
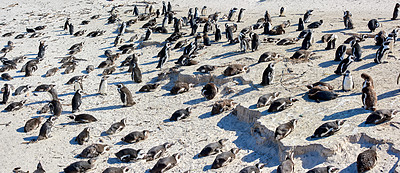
[[294, 49], [207, 168], [334, 30], [364, 32], [152, 62], [121, 143], [330, 78], [90, 95], [113, 160], [195, 101], [345, 114], [314, 139], [351, 168], [37, 102], [244, 91], [125, 83], [148, 72], [104, 48], [66, 94], [21, 130], [389, 94], [348, 95], [206, 115], [370, 56], [328, 63], [32, 138], [103, 134], [370, 47], [73, 142], [112, 107], [15, 77], [122, 72], [226, 55], [366, 66], [254, 106], [368, 125]]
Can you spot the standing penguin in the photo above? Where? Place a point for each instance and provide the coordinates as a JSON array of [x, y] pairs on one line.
[[206, 40], [396, 11], [267, 17], [164, 54], [136, 73], [126, 95], [148, 34], [348, 83], [369, 97], [300, 27], [224, 158], [287, 166], [328, 129], [71, 29], [284, 130], [255, 41], [344, 64], [307, 16], [282, 12], [66, 24], [240, 16], [382, 52], [340, 52], [204, 11], [135, 11], [232, 12], [209, 91], [367, 160], [367, 78], [55, 107], [268, 75], [229, 34], [218, 34], [307, 42], [166, 163], [331, 40], [6, 93], [77, 101], [348, 23], [373, 24], [103, 85]]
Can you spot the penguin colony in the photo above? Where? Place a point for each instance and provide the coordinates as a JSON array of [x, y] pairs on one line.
[[190, 34]]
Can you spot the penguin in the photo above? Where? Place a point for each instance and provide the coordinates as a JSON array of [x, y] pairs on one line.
[[235, 69], [380, 38], [367, 78], [348, 82], [89, 68], [149, 87], [240, 16], [331, 40], [123, 169], [209, 91], [6, 76], [166, 163], [128, 154], [136, 74], [356, 50], [284, 130], [51, 72], [206, 68], [267, 99], [344, 64], [268, 75], [382, 52], [244, 43], [148, 34], [71, 29], [46, 128], [348, 23], [83, 118], [281, 104], [367, 160], [180, 44], [221, 106], [224, 158], [381, 116], [14, 106], [44, 109], [268, 56], [373, 24], [231, 14], [180, 87], [255, 41], [78, 85], [181, 114], [164, 54], [396, 11], [135, 11], [282, 12], [267, 27], [22, 89], [136, 136], [30, 67], [116, 127], [206, 40], [33, 124], [253, 169], [194, 28], [300, 26], [126, 95], [307, 16], [204, 11], [328, 129], [229, 34], [340, 53], [328, 169], [157, 151], [169, 7], [103, 85], [307, 42], [117, 40], [212, 148], [322, 95], [267, 17], [94, 150], [77, 101], [80, 166], [122, 28], [55, 107], [83, 137], [287, 166], [66, 24], [39, 168], [369, 98], [316, 24]]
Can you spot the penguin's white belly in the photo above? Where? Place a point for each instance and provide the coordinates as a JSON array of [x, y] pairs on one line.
[[347, 84]]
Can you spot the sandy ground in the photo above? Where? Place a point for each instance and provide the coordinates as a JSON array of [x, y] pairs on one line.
[[154, 108]]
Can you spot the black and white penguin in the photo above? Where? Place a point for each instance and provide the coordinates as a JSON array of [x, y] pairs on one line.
[[348, 82], [157, 151], [206, 68], [135, 11], [253, 169], [77, 101], [66, 24], [231, 14], [164, 55], [6, 93], [344, 64], [367, 160], [284, 130], [194, 28], [268, 75], [84, 136], [94, 150], [307, 41], [166, 163], [268, 56], [206, 40], [381, 116], [55, 107], [126, 95], [382, 52], [328, 129], [240, 16], [136, 136], [136, 74], [225, 158], [209, 91], [229, 34], [180, 87], [267, 17], [322, 95], [307, 16], [243, 42], [330, 39], [281, 104], [282, 12], [149, 87], [80, 166], [267, 99], [33, 124], [340, 53], [300, 26], [328, 169], [373, 24], [30, 67], [46, 129], [204, 11], [396, 11], [122, 28], [181, 114], [89, 68], [116, 127], [348, 23], [83, 118], [287, 166], [255, 41], [316, 24], [212, 148], [14, 106], [103, 87], [148, 34], [39, 168], [128, 155], [235, 69], [122, 169], [71, 29], [356, 50], [380, 38], [218, 34]]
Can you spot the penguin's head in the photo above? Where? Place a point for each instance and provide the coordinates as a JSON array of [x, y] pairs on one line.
[[340, 122], [141, 154], [397, 5], [235, 150], [92, 161], [260, 165], [123, 121], [276, 94], [294, 122], [189, 109], [178, 157], [146, 133], [222, 141], [394, 112], [332, 169], [347, 73], [120, 85], [167, 145]]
